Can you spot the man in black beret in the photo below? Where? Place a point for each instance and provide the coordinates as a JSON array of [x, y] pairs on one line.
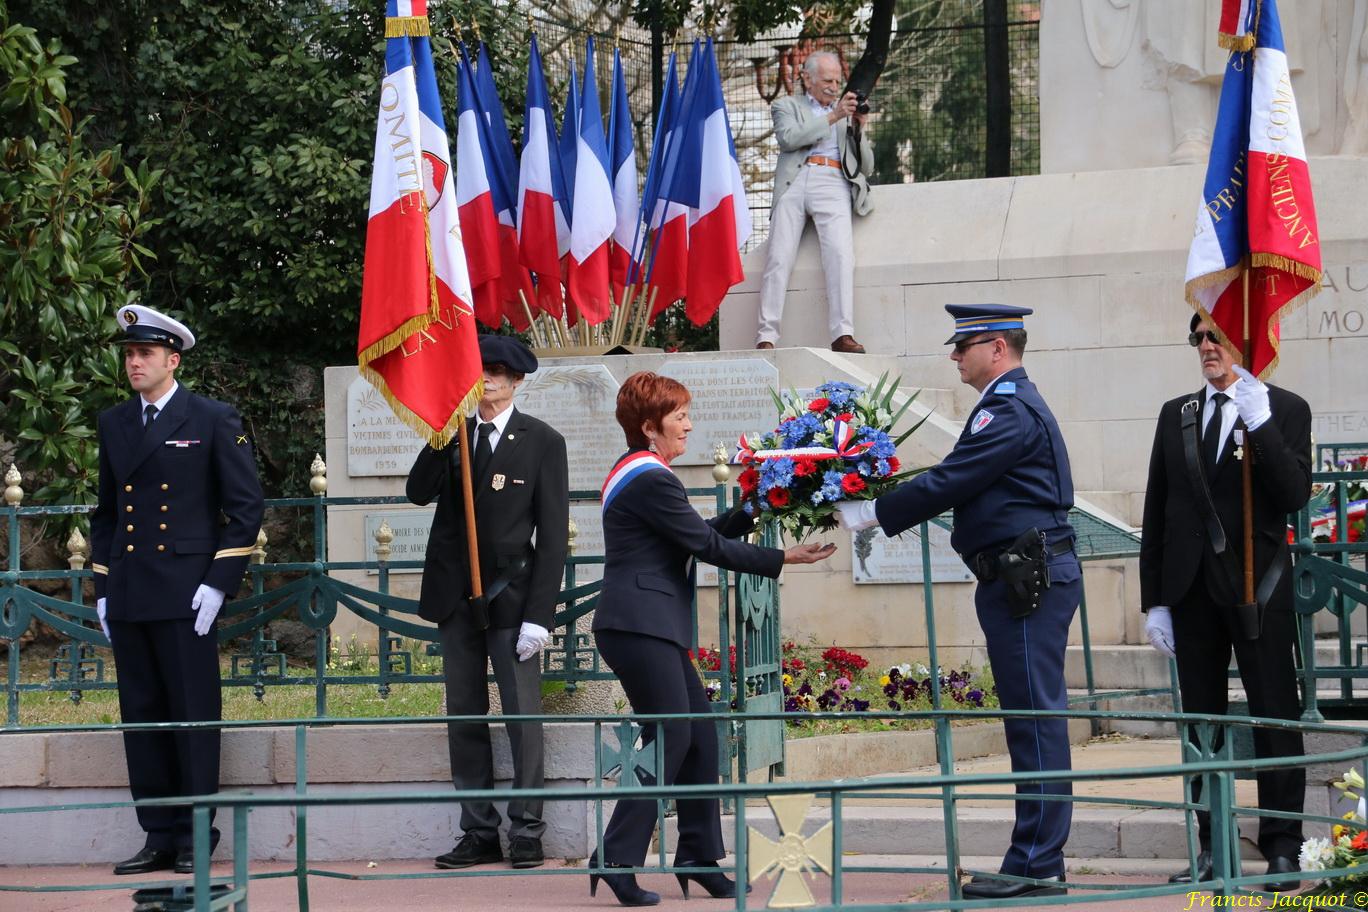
[[521, 486]]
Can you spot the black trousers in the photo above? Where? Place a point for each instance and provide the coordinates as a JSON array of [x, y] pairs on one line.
[[464, 654], [659, 678], [1204, 635], [167, 673]]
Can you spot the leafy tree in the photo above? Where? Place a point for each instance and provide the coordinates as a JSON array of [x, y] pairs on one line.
[[72, 227]]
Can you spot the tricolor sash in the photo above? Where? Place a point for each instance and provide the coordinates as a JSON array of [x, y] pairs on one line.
[[628, 468]]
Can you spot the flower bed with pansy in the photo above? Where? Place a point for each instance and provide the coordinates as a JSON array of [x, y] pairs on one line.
[[837, 680], [835, 446]]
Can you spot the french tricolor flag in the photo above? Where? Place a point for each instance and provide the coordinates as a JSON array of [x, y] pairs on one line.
[[593, 219], [541, 190], [1256, 213], [417, 341], [479, 224], [678, 184], [720, 221], [622, 250], [516, 288]]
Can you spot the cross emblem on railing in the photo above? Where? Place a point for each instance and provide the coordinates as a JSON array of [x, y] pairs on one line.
[[792, 855], [626, 757]]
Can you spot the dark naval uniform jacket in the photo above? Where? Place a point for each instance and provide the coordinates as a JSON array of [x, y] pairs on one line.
[[524, 490], [179, 506]]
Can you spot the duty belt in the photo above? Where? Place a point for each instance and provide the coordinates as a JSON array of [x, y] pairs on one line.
[[984, 565]]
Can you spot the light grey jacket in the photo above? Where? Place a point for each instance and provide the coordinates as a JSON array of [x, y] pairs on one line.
[[797, 127]]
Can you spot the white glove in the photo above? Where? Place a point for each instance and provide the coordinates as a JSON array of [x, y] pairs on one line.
[[206, 605], [1159, 629], [1251, 399], [856, 514], [532, 639], [100, 613]]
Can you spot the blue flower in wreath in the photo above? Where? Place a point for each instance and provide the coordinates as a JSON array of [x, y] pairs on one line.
[[801, 430], [776, 473], [842, 395], [882, 445]]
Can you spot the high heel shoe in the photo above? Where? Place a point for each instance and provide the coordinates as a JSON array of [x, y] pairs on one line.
[[624, 886], [718, 885]]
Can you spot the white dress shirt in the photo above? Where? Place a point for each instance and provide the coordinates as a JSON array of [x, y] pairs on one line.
[[1228, 412], [829, 146], [160, 403], [500, 422]]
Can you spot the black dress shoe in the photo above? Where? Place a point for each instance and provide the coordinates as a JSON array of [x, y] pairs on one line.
[[718, 885], [146, 861], [1280, 864], [992, 888], [525, 852], [471, 850], [1203, 870], [185, 856]]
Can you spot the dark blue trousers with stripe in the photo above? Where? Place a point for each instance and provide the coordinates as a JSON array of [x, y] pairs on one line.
[[1027, 656]]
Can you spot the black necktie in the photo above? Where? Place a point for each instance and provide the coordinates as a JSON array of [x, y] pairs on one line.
[[149, 414], [1211, 438], [483, 451]]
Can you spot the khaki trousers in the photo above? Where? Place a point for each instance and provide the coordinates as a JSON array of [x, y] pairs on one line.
[[821, 193]]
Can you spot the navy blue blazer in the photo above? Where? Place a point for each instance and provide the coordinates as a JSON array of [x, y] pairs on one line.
[[650, 534], [179, 505], [1009, 472]]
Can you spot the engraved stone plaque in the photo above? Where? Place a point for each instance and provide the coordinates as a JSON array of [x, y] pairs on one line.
[[378, 443], [579, 401], [410, 536], [878, 559], [729, 398]]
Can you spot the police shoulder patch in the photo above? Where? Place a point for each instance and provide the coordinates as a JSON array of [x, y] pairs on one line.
[[980, 421], [1005, 388]]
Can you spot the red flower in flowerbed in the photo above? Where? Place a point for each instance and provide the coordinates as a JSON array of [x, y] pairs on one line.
[[779, 497], [852, 483], [843, 662]]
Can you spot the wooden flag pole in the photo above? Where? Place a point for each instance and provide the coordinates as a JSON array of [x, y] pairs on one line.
[[531, 320], [465, 438], [1247, 463]]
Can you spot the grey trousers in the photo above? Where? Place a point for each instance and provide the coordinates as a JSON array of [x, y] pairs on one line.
[[823, 194], [464, 651]]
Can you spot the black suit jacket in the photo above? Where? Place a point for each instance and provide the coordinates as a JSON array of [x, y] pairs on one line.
[[179, 505], [533, 496], [650, 532], [1174, 540]]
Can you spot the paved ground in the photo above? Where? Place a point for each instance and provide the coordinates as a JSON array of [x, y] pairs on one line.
[[516, 893]]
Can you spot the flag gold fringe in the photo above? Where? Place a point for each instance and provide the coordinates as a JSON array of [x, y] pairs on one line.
[[1240, 43], [1287, 265], [406, 27], [434, 438]]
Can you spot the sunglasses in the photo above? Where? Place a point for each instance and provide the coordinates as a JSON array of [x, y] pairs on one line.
[[1195, 338], [962, 347]]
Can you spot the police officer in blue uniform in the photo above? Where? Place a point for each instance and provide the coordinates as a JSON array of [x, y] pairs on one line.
[[1009, 484], [178, 514]]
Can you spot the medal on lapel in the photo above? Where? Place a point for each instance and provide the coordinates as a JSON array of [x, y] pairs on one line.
[[497, 482]]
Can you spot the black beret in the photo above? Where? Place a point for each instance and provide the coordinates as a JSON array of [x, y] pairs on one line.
[[507, 351]]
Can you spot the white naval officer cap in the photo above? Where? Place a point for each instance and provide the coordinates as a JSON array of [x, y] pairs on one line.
[[143, 324]]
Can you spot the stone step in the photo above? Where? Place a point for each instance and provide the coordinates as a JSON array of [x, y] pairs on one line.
[[1125, 667]]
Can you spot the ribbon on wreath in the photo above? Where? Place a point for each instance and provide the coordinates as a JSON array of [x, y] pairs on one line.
[[842, 435]]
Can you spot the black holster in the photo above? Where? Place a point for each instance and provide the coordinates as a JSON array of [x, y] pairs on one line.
[[1022, 567]]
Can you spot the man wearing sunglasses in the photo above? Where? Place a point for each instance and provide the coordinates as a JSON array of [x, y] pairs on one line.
[[1191, 568], [1009, 484]]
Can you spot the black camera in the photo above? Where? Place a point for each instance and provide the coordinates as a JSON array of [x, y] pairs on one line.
[[861, 103]]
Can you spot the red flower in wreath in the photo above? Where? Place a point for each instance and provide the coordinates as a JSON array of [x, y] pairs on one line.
[[819, 405], [1360, 842], [802, 468], [894, 464], [845, 416], [852, 483], [748, 480], [778, 497]]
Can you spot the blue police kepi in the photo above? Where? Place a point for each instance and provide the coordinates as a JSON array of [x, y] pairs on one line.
[[1008, 482]]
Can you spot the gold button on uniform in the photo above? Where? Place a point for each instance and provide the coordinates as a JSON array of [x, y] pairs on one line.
[[163, 508], [129, 527], [162, 527], [128, 509], [128, 487], [166, 487], [161, 547], [129, 548]]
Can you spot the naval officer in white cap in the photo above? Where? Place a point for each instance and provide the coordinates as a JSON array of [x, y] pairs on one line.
[[173, 467]]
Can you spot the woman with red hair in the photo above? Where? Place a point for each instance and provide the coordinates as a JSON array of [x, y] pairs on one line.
[[643, 626]]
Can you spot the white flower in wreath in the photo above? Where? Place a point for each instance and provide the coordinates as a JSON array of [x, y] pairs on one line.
[[1316, 854]]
